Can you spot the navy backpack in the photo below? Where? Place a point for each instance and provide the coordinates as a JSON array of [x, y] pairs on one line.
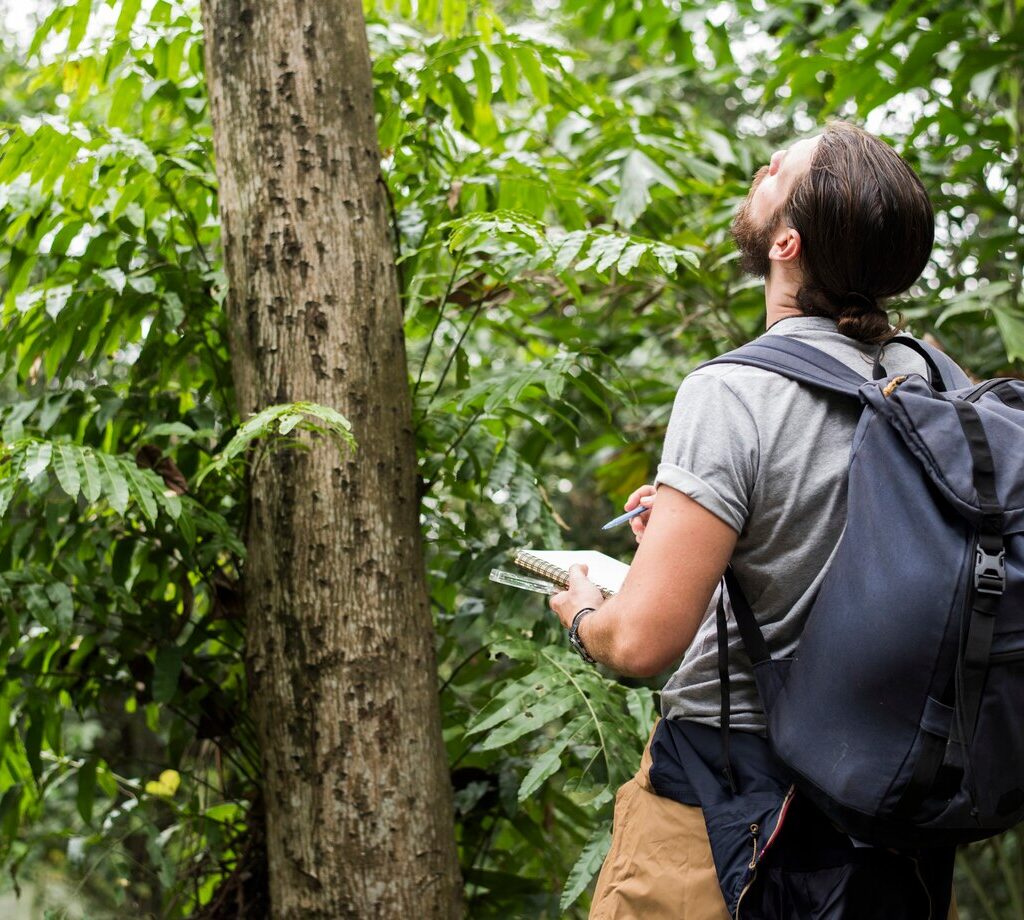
[[901, 716]]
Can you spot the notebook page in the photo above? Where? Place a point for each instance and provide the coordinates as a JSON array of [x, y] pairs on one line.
[[602, 570]]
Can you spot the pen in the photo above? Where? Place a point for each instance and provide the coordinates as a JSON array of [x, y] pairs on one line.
[[628, 516]]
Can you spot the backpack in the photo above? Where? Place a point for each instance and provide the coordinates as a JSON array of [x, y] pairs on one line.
[[901, 714]]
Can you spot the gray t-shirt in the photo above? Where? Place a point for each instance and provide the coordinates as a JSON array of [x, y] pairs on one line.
[[768, 456]]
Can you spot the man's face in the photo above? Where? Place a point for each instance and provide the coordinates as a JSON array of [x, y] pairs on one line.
[[758, 218]]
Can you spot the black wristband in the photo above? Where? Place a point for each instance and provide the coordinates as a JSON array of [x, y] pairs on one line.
[[574, 635]]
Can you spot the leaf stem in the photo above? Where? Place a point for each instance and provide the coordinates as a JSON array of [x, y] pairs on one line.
[[586, 700], [437, 322], [444, 373]]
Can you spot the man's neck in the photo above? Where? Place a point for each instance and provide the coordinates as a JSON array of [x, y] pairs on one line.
[[780, 299]]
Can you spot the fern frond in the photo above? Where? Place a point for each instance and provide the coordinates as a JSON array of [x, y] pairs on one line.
[[285, 417]]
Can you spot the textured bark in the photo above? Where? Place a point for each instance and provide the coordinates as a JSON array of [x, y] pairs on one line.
[[340, 650]]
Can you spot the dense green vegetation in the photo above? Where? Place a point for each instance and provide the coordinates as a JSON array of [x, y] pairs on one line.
[[562, 177]]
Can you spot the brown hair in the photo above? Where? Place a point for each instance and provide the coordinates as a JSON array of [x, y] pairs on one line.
[[866, 227]]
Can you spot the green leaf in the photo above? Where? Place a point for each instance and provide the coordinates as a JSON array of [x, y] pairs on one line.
[[551, 703], [531, 69], [972, 301], [640, 704], [547, 763], [166, 670], [144, 486], [719, 145], [86, 789], [603, 252], [50, 604], [79, 23], [482, 77], [45, 29], [92, 486], [502, 707], [667, 256], [1011, 328], [33, 740], [65, 466], [8, 487], [701, 169], [630, 258], [10, 811], [461, 100], [511, 387], [122, 110], [178, 429], [509, 73], [568, 248], [461, 369], [453, 16], [638, 173], [63, 610], [171, 503], [126, 18], [115, 486], [5, 724], [37, 459], [555, 385], [288, 422], [586, 867]]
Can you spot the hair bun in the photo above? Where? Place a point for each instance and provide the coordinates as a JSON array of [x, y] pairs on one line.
[[866, 325], [856, 315]]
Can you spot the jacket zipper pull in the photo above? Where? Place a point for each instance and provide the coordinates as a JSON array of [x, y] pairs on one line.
[[753, 833]]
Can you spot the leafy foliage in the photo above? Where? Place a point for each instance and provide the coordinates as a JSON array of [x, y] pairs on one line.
[[561, 192]]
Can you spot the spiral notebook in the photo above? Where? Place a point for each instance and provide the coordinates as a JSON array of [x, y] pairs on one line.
[[553, 565]]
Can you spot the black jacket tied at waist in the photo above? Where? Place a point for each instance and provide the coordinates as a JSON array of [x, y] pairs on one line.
[[777, 857]]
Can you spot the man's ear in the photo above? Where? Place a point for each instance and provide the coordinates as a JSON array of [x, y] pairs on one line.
[[786, 246]]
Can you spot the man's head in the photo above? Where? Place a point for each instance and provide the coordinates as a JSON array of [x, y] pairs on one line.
[[844, 214]]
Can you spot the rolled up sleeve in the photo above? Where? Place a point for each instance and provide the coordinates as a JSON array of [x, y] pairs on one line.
[[711, 448]]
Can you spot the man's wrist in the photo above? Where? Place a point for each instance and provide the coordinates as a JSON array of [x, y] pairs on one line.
[[574, 635]]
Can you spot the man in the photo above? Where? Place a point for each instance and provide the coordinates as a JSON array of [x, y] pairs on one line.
[[753, 473]]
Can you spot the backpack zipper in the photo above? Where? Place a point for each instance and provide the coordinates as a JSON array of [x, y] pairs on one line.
[[758, 856]]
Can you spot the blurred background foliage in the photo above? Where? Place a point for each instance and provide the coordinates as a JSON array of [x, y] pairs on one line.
[[561, 175]]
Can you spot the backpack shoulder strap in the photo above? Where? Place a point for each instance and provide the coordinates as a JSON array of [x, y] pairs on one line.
[[796, 360], [950, 374]]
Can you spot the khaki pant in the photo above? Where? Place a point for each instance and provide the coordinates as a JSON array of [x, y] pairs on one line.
[[659, 866]]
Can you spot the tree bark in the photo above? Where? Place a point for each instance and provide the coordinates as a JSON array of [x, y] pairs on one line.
[[340, 653]]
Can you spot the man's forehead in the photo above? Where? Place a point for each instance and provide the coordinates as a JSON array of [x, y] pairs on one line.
[[803, 148]]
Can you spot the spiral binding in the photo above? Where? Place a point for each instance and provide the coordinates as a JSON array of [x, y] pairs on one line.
[[548, 570]]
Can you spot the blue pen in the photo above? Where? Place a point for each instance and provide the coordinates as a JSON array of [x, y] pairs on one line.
[[628, 516]]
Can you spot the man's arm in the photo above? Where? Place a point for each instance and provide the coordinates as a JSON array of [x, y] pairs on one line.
[[651, 622]]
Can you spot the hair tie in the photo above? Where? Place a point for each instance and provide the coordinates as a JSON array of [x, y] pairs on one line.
[[860, 300]]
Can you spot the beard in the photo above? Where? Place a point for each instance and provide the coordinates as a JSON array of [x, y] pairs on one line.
[[754, 240]]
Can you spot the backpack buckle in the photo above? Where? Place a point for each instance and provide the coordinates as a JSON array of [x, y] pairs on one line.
[[990, 570]]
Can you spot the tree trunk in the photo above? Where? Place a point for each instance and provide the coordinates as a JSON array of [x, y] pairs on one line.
[[340, 651]]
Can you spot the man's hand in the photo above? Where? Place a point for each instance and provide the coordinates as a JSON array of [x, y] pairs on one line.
[[582, 592], [642, 496]]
